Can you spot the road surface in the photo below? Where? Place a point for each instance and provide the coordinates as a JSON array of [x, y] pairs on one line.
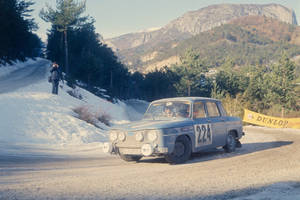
[[268, 158], [25, 76]]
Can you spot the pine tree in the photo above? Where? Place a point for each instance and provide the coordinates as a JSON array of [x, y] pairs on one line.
[[16, 38], [283, 88], [257, 96], [67, 15], [230, 81], [192, 79]]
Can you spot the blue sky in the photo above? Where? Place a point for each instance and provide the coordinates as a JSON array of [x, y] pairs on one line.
[[117, 17]]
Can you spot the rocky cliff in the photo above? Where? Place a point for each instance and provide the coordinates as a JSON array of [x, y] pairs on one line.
[[204, 19]]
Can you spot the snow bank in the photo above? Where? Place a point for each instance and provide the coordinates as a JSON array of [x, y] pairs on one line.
[[32, 115], [43, 118]]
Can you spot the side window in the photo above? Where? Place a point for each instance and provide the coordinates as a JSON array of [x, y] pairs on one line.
[[199, 111], [222, 110], [212, 109]]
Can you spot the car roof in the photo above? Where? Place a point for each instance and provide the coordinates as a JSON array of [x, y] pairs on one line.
[[192, 99]]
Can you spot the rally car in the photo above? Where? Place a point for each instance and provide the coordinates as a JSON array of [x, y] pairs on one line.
[[174, 128]]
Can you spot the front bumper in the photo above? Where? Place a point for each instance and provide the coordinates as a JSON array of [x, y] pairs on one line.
[[163, 144], [145, 149]]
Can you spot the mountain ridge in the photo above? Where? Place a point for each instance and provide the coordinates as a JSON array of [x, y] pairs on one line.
[[203, 19], [246, 40]]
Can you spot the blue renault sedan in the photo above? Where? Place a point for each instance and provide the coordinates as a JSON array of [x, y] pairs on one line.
[[175, 128]]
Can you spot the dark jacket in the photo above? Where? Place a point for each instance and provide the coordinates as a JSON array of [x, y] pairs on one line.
[[55, 74]]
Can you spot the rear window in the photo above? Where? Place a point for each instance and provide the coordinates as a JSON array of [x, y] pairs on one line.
[[212, 109]]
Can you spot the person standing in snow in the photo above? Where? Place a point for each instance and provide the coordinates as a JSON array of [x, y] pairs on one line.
[[55, 77]]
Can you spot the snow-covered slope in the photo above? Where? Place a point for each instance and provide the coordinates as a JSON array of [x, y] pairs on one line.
[[32, 115]]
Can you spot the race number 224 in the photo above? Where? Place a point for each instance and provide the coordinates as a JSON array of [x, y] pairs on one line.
[[203, 134]]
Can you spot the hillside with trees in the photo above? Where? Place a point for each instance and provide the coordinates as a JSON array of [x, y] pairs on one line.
[[271, 28], [74, 44], [247, 40], [270, 89]]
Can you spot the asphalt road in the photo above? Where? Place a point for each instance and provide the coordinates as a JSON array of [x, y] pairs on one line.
[[24, 76], [268, 156]]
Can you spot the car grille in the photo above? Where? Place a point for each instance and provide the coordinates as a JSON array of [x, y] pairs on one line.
[[130, 151], [129, 142]]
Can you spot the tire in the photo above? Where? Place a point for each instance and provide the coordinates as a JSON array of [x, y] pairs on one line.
[[182, 151], [230, 143], [238, 144], [130, 158]]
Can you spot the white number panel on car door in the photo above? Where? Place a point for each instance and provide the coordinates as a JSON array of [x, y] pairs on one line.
[[203, 134]]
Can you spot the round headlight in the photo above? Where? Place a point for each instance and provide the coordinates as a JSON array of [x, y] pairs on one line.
[[121, 136], [139, 136], [107, 148], [113, 135], [152, 135], [147, 150]]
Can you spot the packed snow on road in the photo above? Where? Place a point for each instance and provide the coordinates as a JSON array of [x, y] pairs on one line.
[[47, 152]]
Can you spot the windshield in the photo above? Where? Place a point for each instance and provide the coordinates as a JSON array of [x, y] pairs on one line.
[[168, 110]]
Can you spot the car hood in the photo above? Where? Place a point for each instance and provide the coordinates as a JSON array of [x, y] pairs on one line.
[[154, 124]]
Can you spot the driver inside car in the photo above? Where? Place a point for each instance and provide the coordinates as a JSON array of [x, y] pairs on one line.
[[168, 112]]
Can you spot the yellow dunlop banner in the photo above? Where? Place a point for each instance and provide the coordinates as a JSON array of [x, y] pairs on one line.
[[273, 122]]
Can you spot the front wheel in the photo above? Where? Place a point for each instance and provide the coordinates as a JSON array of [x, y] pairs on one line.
[[230, 143], [130, 158], [182, 151]]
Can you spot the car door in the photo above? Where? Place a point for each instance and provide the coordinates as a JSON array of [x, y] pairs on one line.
[[202, 127], [218, 124]]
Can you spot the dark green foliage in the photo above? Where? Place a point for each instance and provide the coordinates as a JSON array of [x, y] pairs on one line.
[[91, 62], [192, 82], [55, 48], [191, 76], [257, 94], [66, 16], [16, 38], [230, 81], [159, 84], [135, 86], [282, 84], [260, 88]]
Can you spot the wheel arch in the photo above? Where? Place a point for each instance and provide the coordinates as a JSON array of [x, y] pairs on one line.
[[190, 138], [174, 157], [186, 135], [234, 132]]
